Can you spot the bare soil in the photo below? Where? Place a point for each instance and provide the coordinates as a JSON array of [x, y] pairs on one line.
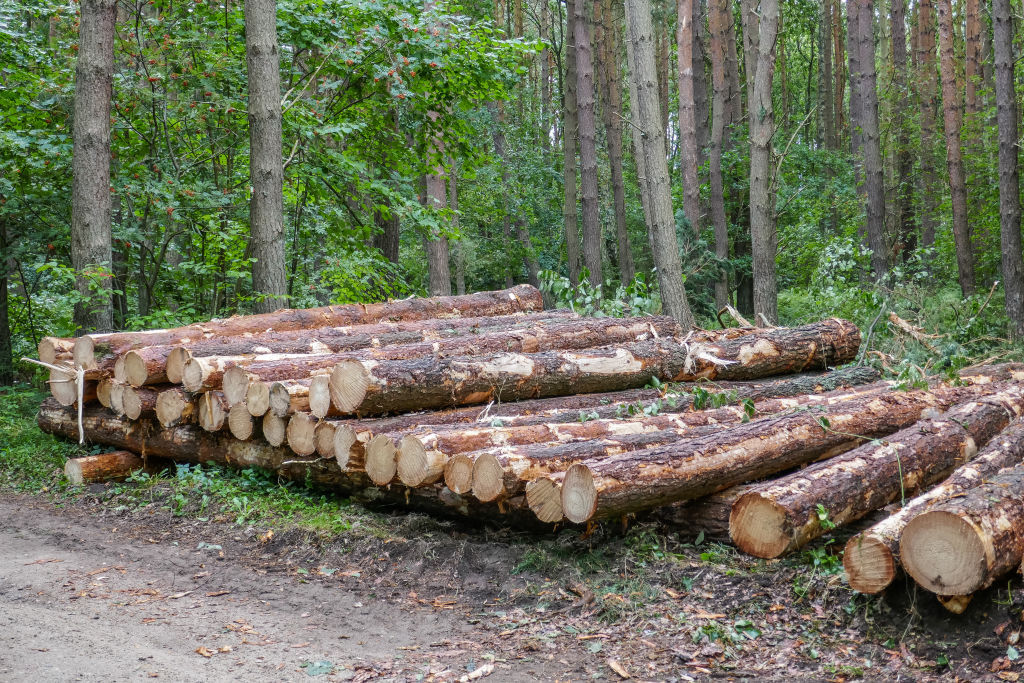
[[90, 593]]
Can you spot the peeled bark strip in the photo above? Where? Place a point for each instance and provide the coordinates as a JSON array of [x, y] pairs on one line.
[[964, 544], [240, 423], [369, 387], [102, 467], [652, 477], [190, 444], [518, 299], [289, 396], [137, 402], [174, 406], [213, 411], [301, 433], [783, 515], [871, 558]]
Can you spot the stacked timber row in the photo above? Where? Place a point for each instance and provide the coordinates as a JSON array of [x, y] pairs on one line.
[[486, 404]]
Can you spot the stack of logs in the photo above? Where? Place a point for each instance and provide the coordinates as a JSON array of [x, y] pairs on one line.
[[486, 404]]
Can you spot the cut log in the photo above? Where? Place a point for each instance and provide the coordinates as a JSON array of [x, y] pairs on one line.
[[381, 465], [235, 384], [708, 515], [519, 299], [103, 387], [964, 544], [174, 406], [871, 558], [117, 397], [684, 470], [275, 429], [417, 466], [783, 515], [325, 438], [458, 474], [64, 388], [373, 387], [289, 396], [213, 411], [544, 498], [103, 467], [257, 398], [320, 397], [240, 423], [143, 366], [190, 444], [301, 433], [137, 402], [54, 349]]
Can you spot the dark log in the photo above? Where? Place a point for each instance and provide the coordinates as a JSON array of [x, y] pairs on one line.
[[783, 515]]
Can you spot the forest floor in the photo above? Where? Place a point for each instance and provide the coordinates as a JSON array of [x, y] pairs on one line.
[[129, 581]]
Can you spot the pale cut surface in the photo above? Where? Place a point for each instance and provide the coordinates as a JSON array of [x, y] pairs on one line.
[[488, 478], [324, 435], [579, 495], [257, 398], [757, 526], [458, 474], [943, 553], [240, 422], [349, 382], [235, 385], [176, 360], [545, 500], [381, 453], [301, 433], [274, 428]]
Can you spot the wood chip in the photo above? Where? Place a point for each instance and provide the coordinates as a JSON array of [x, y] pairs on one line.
[[617, 668]]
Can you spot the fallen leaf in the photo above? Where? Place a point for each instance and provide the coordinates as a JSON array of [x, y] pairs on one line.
[[179, 595], [215, 594], [617, 668], [204, 652]]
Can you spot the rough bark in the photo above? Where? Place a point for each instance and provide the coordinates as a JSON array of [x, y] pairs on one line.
[[103, 467], [952, 104], [906, 229], [783, 515], [871, 558], [519, 299], [964, 544], [652, 167], [927, 97], [649, 478], [587, 122], [762, 19], [372, 387], [266, 162], [688, 157], [90, 166], [720, 20], [435, 244], [1012, 262], [388, 236], [569, 133]]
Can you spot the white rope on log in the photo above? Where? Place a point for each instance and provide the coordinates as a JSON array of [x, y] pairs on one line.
[[79, 381]]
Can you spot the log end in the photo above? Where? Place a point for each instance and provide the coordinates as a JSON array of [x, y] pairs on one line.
[[212, 414], [943, 553], [381, 454], [103, 392], [488, 478], [176, 360], [170, 405], [84, 352], [458, 474], [134, 369], [869, 563], [117, 398], [240, 422], [758, 526], [235, 385], [301, 433], [579, 495], [194, 374], [324, 435], [63, 387], [280, 399], [320, 396], [131, 403], [47, 349], [545, 500], [257, 398], [274, 429], [344, 439], [411, 462], [348, 384]]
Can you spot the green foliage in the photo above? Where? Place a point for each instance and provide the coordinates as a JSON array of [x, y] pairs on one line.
[[29, 459], [636, 298]]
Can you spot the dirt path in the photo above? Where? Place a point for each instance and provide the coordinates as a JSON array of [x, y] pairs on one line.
[[81, 599]]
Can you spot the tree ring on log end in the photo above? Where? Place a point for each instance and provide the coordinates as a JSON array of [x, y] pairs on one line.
[[131, 403], [240, 422], [579, 495], [324, 435], [301, 433], [943, 553], [344, 438], [381, 454], [320, 395], [758, 526], [458, 474], [84, 352], [257, 398], [235, 385], [194, 374], [488, 478], [176, 360], [412, 461], [63, 388], [870, 566], [274, 429], [545, 500], [349, 382], [135, 372]]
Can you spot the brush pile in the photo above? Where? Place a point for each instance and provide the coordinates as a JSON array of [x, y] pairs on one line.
[[487, 405]]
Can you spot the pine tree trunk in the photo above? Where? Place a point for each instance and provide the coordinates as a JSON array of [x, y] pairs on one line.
[[570, 132], [1009, 178], [388, 235], [652, 168], [720, 20], [588, 144], [927, 95], [266, 163], [688, 158], [906, 232], [6, 353], [952, 121], [436, 244], [90, 166]]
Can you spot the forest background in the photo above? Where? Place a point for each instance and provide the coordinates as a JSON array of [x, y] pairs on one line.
[[795, 160]]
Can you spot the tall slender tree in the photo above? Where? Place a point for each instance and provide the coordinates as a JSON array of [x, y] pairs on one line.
[[1009, 178], [652, 166], [720, 21], [6, 355], [904, 210], [90, 166], [952, 122], [569, 135], [927, 97], [587, 121], [688, 157]]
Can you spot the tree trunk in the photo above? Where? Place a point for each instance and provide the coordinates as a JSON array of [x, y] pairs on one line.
[[951, 116], [826, 100], [871, 558], [652, 168], [388, 235], [906, 232], [964, 544], [720, 20], [927, 95], [783, 515], [116, 465], [460, 246], [762, 19], [372, 387], [570, 130], [266, 163], [90, 165], [519, 299], [592, 238], [701, 106], [612, 114], [436, 244], [6, 353], [626, 483], [687, 117], [1009, 180]]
